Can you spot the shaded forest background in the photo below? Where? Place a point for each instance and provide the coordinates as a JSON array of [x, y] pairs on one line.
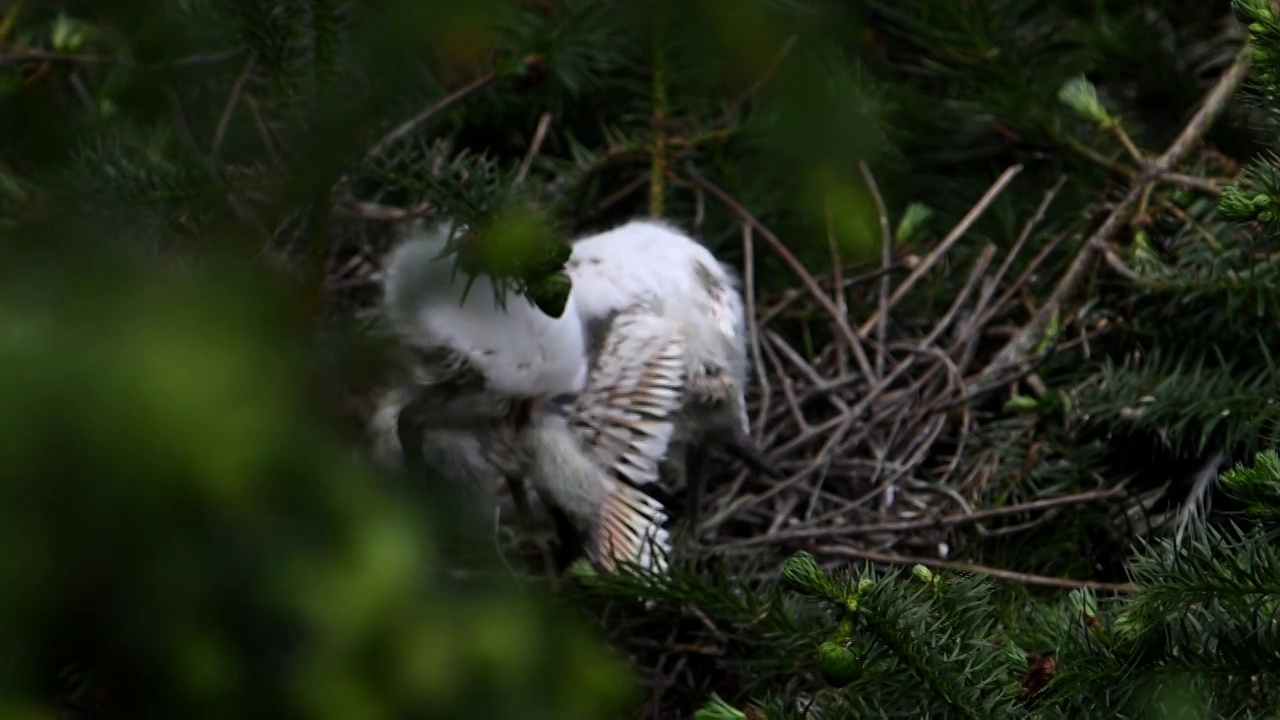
[[1014, 272]]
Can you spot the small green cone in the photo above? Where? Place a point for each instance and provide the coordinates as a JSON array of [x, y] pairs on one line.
[[837, 664]]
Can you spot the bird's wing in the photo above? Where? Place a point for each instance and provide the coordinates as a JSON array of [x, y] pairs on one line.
[[626, 414], [630, 527]]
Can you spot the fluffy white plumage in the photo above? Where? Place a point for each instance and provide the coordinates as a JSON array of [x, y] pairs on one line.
[[652, 261], [520, 351], [471, 359], [594, 457]]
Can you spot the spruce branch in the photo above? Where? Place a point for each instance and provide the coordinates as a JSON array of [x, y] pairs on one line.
[[1258, 486], [1018, 350]]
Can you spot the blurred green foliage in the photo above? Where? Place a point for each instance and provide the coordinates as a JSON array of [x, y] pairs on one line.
[[183, 538]]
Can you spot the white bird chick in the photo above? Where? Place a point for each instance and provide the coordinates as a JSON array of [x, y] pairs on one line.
[[593, 454], [475, 366], [652, 261]]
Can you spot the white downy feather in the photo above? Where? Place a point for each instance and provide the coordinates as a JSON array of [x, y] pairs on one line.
[[652, 261], [473, 352], [520, 350]]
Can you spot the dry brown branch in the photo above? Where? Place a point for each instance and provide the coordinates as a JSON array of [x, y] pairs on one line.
[[886, 261], [35, 55], [539, 136], [753, 329], [432, 110], [936, 523], [806, 278], [1017, 351], [998, 573], [937, 253], [232, 100]]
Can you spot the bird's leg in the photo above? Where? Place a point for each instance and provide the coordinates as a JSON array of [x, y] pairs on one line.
[[698, 462], [568, 540], [524, 517], [749, 454], [520, 415], [714, 393], [411, 423]]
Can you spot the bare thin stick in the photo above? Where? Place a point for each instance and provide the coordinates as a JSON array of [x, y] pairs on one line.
[[837, 286], [440, 105], [793, 262], [753, 326], [539, 136], [946, 521], [952, 237], [886, 261], [232, 100], [983, 310], [997, 573]]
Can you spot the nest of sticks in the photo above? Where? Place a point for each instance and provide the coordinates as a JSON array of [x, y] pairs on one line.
[[883, 427]]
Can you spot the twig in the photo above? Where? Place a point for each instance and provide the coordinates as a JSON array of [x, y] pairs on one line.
[[937, 523], [837, 287], [845, 420], [753, 326], [34, 55], [82, 93], [886, 260], [658, 152], [267, 140], [841, 322], [998, 573], [232, 100], [539, 136], [1019, 346], [952, 237], [983, 310], [439, 106], [768, 73]]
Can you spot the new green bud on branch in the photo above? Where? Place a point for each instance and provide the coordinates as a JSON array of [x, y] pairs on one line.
[[802, 574], [717, 709], [1080, 95]]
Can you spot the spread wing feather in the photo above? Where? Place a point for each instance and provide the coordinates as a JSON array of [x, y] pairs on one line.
[[626, 414]]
